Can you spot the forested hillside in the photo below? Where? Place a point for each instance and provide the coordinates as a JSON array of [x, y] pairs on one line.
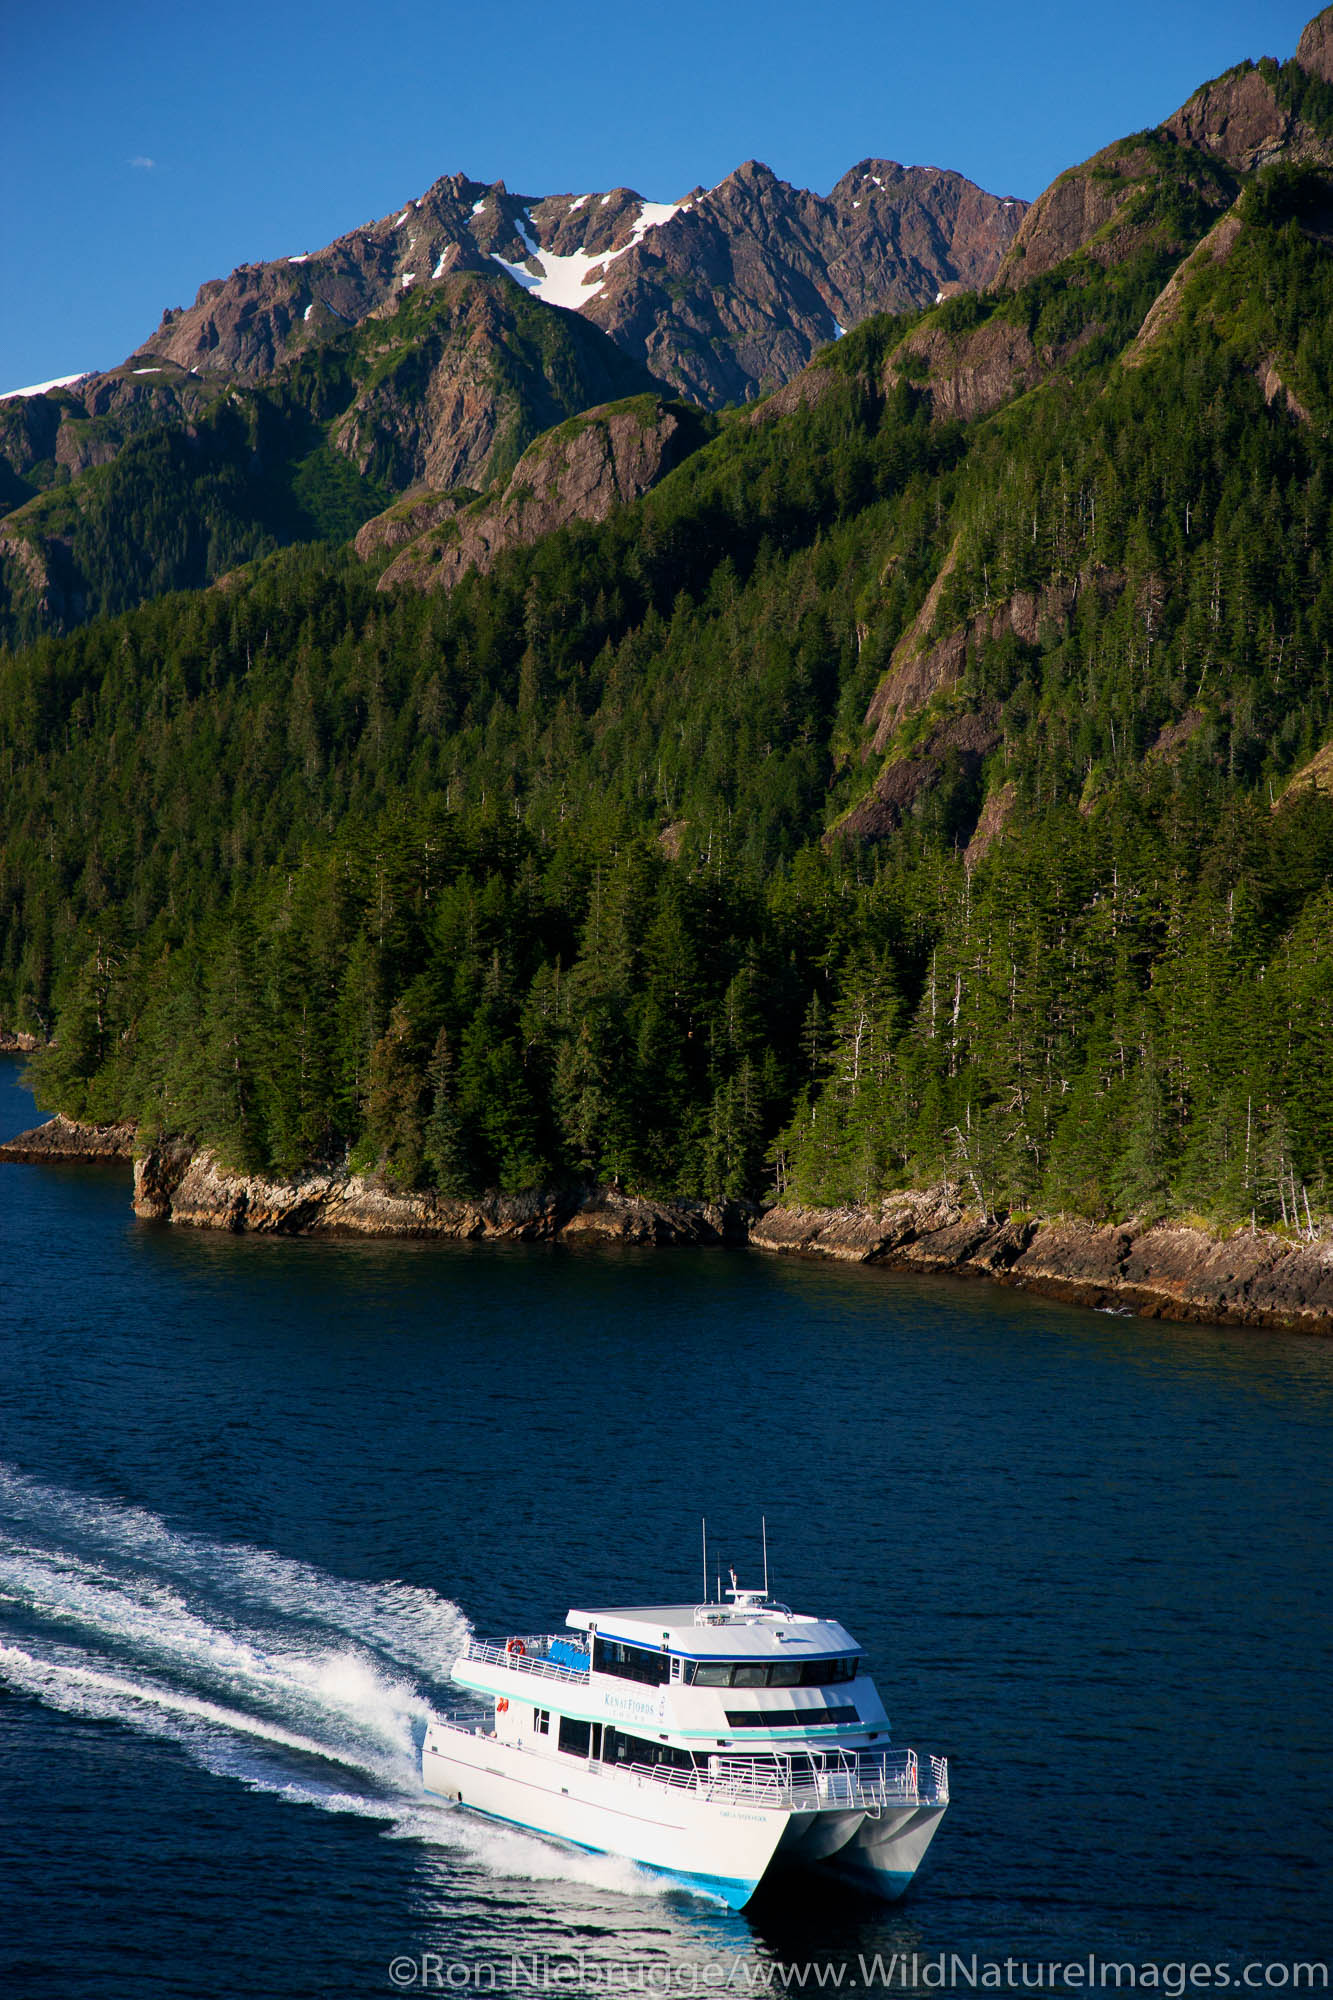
[[181, 479], [926, 779]]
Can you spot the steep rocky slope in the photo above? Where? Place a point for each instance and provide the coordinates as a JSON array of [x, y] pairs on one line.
[[1253, 115], [578, 472]]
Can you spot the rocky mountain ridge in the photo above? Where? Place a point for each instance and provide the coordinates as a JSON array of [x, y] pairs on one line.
[[723, 294], [427, 357]]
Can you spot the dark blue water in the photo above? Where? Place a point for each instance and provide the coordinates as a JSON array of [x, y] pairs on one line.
[[252, 1491]]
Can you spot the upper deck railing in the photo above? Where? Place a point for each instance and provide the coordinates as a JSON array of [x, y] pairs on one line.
[[530, 1653]]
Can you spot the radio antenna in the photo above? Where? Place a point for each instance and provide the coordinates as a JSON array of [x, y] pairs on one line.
[[703, 1523], [763, 1523]]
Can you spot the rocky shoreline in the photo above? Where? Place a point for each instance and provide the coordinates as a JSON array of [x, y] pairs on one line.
[[65, 1139], [1166, 1271], [174, 1184]]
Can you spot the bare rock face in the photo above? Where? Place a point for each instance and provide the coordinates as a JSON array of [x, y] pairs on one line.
[[38, 569], [1173, 737], [1237, 119], [1316, 776], [453, 401], [970, 374], [405, 522], [579, 472], [993, 824], [1072, 210], [248, 323], [1276, 389], [87, 423], [960, 742], [1231, 126], [1095, 208], [1314, 51]]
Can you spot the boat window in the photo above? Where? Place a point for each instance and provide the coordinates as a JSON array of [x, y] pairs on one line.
[[629, 1663], [622, 1748], [541, 1721], [575, 1737], [787, 1718], [819, 1673], [709, 1673], [777, 1673]]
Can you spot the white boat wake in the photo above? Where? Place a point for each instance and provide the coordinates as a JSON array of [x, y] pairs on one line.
[[260, 1669]]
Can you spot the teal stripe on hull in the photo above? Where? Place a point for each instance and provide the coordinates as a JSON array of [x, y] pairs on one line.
[[734, 1891]]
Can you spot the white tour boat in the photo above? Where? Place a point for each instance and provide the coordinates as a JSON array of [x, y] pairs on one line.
[[707, 1742]]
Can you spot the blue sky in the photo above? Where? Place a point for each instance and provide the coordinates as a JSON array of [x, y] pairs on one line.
[[144, 148]]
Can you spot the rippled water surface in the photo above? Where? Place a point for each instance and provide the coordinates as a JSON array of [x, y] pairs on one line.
[[252, 1493]]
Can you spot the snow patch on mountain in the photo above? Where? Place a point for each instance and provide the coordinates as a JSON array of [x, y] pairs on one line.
[[565, 281], [40, 388]]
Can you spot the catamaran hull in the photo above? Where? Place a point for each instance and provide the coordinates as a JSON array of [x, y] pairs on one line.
[[718, 1848], [885, 1852], [814, 1836]]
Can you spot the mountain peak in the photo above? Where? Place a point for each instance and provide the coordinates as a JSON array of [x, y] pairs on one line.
[[726, 293]]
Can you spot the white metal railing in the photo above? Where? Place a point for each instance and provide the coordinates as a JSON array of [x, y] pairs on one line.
[[848, 1781], [851, 1780], [525, 1654]]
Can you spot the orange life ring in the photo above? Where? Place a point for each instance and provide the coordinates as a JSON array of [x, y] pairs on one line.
[[516, 1646], [502, 1704]]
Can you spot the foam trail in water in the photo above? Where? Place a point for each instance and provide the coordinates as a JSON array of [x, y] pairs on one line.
[[403, 1621], [259, 1668]]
